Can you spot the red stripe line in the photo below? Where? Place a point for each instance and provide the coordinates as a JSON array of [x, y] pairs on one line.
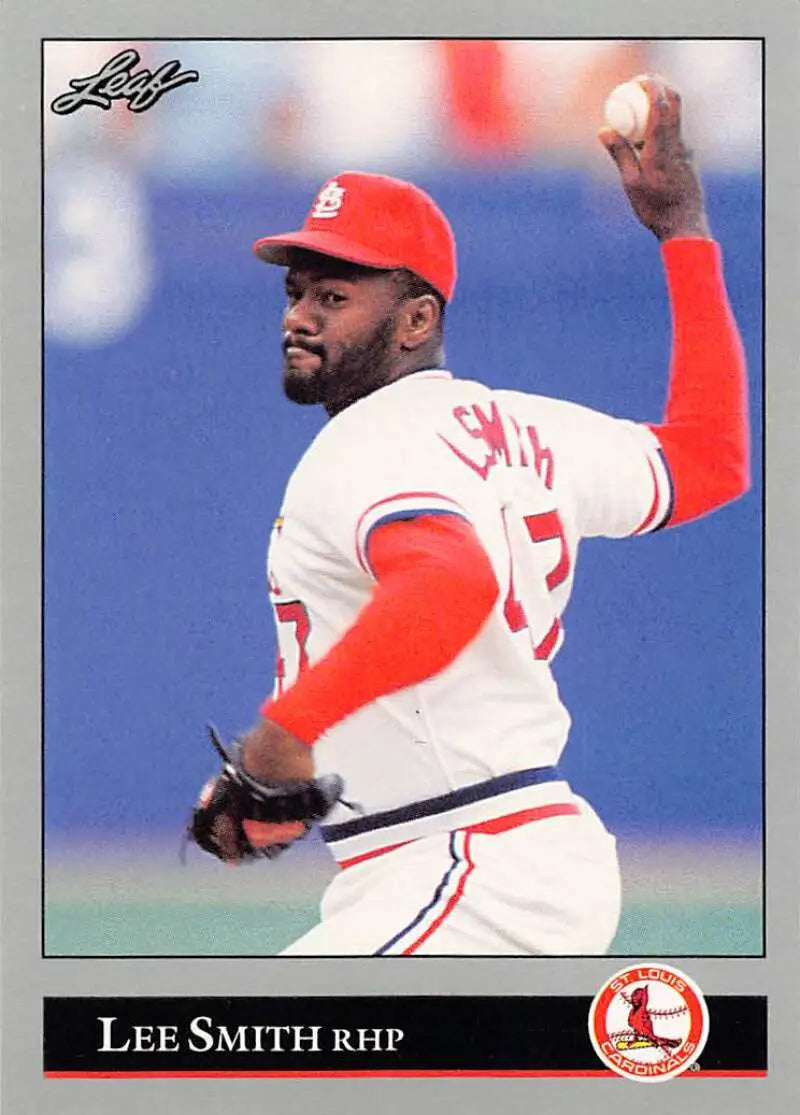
[[371, 855], [410, 1073], [451, 905], [524, 817], [491, 827], [725, 1072]]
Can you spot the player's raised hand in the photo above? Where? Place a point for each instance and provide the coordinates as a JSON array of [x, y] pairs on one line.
[[657, 175]]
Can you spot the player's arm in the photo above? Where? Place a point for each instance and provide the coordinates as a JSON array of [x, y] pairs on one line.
[[432, 569], [704, 433]]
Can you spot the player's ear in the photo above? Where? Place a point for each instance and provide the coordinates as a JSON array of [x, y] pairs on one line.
[[419, 321]]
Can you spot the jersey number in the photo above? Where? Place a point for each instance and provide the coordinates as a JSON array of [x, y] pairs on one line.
[[292, 612], [541, 528]]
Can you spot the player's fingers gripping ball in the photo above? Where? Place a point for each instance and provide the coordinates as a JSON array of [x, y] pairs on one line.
[[239, 818]]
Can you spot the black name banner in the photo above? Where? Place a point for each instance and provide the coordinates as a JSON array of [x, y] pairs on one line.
[[362, 1035]]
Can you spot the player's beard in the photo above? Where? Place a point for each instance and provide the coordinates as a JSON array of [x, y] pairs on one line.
[[360, 368]]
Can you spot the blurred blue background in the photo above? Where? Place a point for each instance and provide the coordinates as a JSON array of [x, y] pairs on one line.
[[168, 444]]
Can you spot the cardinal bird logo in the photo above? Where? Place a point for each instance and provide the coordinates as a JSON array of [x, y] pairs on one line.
[[640, 1020], [649, 1022]]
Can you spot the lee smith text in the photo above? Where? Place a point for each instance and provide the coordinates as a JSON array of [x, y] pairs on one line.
[[204, 1035]]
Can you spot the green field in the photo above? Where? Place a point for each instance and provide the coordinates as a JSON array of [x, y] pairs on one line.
[[680, 899]]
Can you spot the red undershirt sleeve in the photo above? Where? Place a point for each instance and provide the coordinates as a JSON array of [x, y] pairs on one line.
[[435, 590], [434, 569], [704, 434]]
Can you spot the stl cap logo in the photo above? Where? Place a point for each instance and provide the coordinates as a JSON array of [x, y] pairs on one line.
[[329, 200], [649, 1022]]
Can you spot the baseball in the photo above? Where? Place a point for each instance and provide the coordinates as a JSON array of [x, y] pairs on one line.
[[626, 110]]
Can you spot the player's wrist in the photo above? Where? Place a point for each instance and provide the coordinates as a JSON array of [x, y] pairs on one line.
[[689, 232], [289, 713], [270, 753], [685, 226]]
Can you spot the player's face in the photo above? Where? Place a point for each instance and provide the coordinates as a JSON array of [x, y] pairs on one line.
[[339, 331]]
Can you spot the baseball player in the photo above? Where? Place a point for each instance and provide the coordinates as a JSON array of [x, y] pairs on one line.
[[420, 567]]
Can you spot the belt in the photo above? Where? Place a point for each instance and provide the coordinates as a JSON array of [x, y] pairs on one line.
[[443, 803]]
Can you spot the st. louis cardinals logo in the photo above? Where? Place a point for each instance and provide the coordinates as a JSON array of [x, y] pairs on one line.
[[649, 1022], [329, 200]]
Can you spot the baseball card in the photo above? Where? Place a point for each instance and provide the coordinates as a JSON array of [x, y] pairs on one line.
[[398, 551]]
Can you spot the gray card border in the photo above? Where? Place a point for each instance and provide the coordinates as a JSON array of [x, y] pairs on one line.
[[26, 976]]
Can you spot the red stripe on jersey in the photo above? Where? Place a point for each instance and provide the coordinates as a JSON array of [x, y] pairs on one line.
[[484, 828], [524, 817], [453, 901], [371, 855]]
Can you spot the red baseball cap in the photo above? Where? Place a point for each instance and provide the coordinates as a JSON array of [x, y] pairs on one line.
[[378, 222]]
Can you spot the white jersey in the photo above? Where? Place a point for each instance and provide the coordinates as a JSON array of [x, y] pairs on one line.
[[533, 476]]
